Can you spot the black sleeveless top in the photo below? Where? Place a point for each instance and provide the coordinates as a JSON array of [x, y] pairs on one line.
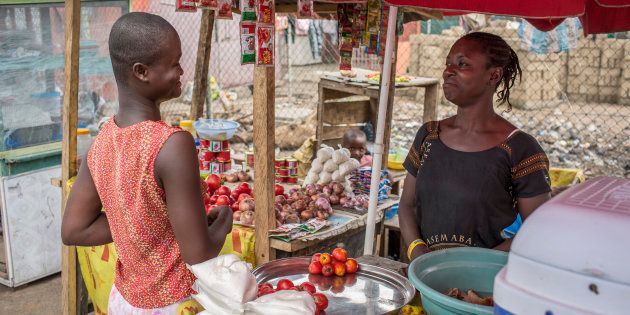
[[469, 198]]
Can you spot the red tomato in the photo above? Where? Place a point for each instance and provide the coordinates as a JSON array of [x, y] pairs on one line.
[[340, 254], [339, 269], [315, 268], [235, 193], [223, 191], [209, 208], [244, 188], [308, 287], [213, 199], [285, 284], [265, 291], [235, 207], [206, 199], [278, 189], [214, 182], [327, 270], [351, 265], [325, 258], [265, 285], [315, 257], [223, 201], [321, 301]]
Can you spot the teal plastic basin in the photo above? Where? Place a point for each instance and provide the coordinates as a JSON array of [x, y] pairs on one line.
[[464, 268]]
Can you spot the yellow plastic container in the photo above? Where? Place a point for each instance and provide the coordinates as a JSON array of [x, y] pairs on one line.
[[188, 126], [395, 160]]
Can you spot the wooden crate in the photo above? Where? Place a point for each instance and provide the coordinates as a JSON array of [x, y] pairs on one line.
[[340, 115]]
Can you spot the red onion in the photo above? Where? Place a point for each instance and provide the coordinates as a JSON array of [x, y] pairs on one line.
[[286, 208], [338, 188], [327, 190], [298, 205], [306, 215], [281, 199], [236, 216], [247, 217], [334, 200], [323, 203], [246, 205], [292, 218]]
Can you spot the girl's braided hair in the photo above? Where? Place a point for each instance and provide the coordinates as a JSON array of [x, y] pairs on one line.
[[500, 54]]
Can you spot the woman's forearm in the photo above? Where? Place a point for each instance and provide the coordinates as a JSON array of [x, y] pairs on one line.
[[96, 233]]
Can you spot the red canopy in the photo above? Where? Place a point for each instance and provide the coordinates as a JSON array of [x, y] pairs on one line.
[[597, 16]]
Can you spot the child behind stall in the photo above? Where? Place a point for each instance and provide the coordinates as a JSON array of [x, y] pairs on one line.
[[355, 140], [145, 174]]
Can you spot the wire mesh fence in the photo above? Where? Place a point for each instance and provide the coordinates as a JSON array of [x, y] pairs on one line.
[[574, 96]]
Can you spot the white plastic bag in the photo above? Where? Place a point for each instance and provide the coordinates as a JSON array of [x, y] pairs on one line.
[[324, 178], [317, 166], [287, 302], [341, 155], [349, 166], [325, 153], [330, 166]]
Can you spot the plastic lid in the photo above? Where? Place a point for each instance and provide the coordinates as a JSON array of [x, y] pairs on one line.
[[186, 123], [83, 131]]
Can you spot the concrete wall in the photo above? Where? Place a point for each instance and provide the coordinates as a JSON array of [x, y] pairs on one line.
[[596, 71]]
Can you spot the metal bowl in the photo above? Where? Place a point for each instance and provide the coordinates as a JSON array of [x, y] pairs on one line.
[[372, 290]]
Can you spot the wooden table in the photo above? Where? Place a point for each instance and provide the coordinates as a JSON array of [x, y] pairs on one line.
[[331, 237], [334, 115]]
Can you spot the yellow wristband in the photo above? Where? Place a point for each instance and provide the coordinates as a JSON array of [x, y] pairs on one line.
[[413, 245]]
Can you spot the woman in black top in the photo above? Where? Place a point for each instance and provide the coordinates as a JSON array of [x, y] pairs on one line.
[[470, 175]]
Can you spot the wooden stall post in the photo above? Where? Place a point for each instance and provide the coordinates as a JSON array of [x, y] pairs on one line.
[[430, 103], [202, 66], [264, 150], [390, 105], [69, 280]]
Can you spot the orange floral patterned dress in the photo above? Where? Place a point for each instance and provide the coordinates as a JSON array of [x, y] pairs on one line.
[[150, 271]]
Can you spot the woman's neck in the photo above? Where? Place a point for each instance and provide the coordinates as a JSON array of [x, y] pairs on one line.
[[134, 108], [473, 118]]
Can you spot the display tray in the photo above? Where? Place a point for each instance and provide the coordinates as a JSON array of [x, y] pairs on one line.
[[372, 290]]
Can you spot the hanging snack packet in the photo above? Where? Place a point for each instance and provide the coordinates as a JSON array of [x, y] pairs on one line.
[[209, 4], [345, 60], [186, 5], [265, 12], [248, 43], [345, 42], [305, 8], [248, 10], [225, 10], [264, 45]]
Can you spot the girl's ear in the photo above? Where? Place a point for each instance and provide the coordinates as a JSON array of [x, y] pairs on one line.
[[141, 72], [495, 76]]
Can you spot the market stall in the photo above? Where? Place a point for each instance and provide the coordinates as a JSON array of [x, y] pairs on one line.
[[264, 168]]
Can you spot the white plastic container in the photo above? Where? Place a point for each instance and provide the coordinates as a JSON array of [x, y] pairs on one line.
[[84, 141], [572, 256]]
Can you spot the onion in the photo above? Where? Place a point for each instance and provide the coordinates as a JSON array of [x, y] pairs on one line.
[[318, 187], [327, 190], [322, 215], [343, 201], [298, 205], [311, 191], [246, 205], [292, 190], [231, 178], [278, 223], [322, 203], [236, 216], [286, 208], [284, 215], [242, 176], [337, 188], [310, 186], [247, 217], [324, 195], [292, 218], [280, 199], [334, 200], [306, 215], [314, 197]]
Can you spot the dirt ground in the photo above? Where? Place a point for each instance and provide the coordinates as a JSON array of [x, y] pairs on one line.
[[40, 297]]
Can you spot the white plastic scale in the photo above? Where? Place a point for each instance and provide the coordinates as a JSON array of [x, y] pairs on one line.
[[572, 256]]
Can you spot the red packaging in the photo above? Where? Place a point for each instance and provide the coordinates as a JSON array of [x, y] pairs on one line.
[[248, 10], [264, 45], [205, 165], [204, 143], [209, 4], [250, 158], [305, 8], [225, 10], [186, 5], [223, 156], [280, 163], [292, 179], [209, 156], [266, 12], [292, 171], [292, 163], [282, 172], [279, 179]]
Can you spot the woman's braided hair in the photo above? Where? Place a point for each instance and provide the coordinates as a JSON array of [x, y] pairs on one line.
[[500, 54]]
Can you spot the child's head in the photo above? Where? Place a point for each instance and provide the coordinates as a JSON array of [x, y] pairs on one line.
[[145, 51], [355, 140]]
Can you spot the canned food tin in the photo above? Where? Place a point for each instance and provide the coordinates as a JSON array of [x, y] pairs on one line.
[[283, 172], [280, 163], [292, 163], [204, 165], [208, 156], [204, 143], [227, 166], [217, 146], [216, 168], [293, 171], [223, 156], [292, 179], [279, 179]]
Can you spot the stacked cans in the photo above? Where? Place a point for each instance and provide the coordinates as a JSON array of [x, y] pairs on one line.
[[214, 156], [286, 171]]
